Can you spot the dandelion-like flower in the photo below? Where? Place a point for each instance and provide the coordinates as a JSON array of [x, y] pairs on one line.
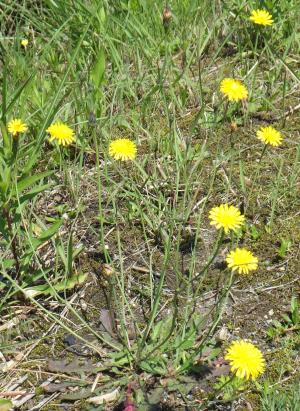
[[122, 149], [261, 17], [24, 43], [16, 126], [227, 217], [242, 260], [245, 359], [233, 89], [269, 135], [61, 133]]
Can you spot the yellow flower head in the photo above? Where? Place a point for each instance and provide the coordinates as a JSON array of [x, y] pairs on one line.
[[122, 149], [245, 359], [242, 260], [261, 17], [24, 43], [233, 89], [226, 216], [17, 126], [61, 133], [269, 135]]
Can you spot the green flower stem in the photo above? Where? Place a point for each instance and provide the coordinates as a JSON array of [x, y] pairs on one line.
[[262, 154], [100, 191], [225, 110], [189, 311], [155, 306], [215, 395], [15, 146], [13, 243], [258, 168], [152, 315], [173, 325], [6, 140], [212, 258], [220, 308]]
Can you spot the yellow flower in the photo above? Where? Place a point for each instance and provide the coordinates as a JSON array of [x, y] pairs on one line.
[[269, 135], [242, 260], [24, 43], [122, 149], [62, 133], [245, 359], [227, 217], [233, 89], [261, 17], [17, 126]]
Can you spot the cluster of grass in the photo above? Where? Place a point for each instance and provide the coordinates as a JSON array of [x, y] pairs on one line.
[[150, 72]]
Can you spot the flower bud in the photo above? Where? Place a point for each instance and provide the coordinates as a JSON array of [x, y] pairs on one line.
[[167, 16]]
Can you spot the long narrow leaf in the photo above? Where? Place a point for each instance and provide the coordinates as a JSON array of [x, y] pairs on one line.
[[29, 181]]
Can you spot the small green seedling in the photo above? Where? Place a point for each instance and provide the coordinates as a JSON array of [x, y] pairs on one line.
[[230, 387], [290, 322], [284, 248], [255, 234]]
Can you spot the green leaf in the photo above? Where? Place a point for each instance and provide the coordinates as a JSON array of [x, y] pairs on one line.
[[69, 255], [295, 314], [46, 289], [97, 73], [242, 177], [102, 16], [155, 395], [286, 318], [156, 331], [6, 139], [277, 324], [153, 367], [134, 5], [46, 234], [29, 181], [60, 250], [8, 263], [213, 354], [4, 94], [17, 94], [76, 395], [31, 277], [3, 229], [255, 234], [119, 359], [5, 179], [34, 192], [71, 282], [34, 243], [187, 343]]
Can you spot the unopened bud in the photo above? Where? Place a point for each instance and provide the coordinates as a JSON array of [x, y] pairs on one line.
[[233, 126], [167, 16], [107, 270]]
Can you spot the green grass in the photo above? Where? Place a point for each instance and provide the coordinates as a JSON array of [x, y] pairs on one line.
[[70, 215], [278, 400]]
